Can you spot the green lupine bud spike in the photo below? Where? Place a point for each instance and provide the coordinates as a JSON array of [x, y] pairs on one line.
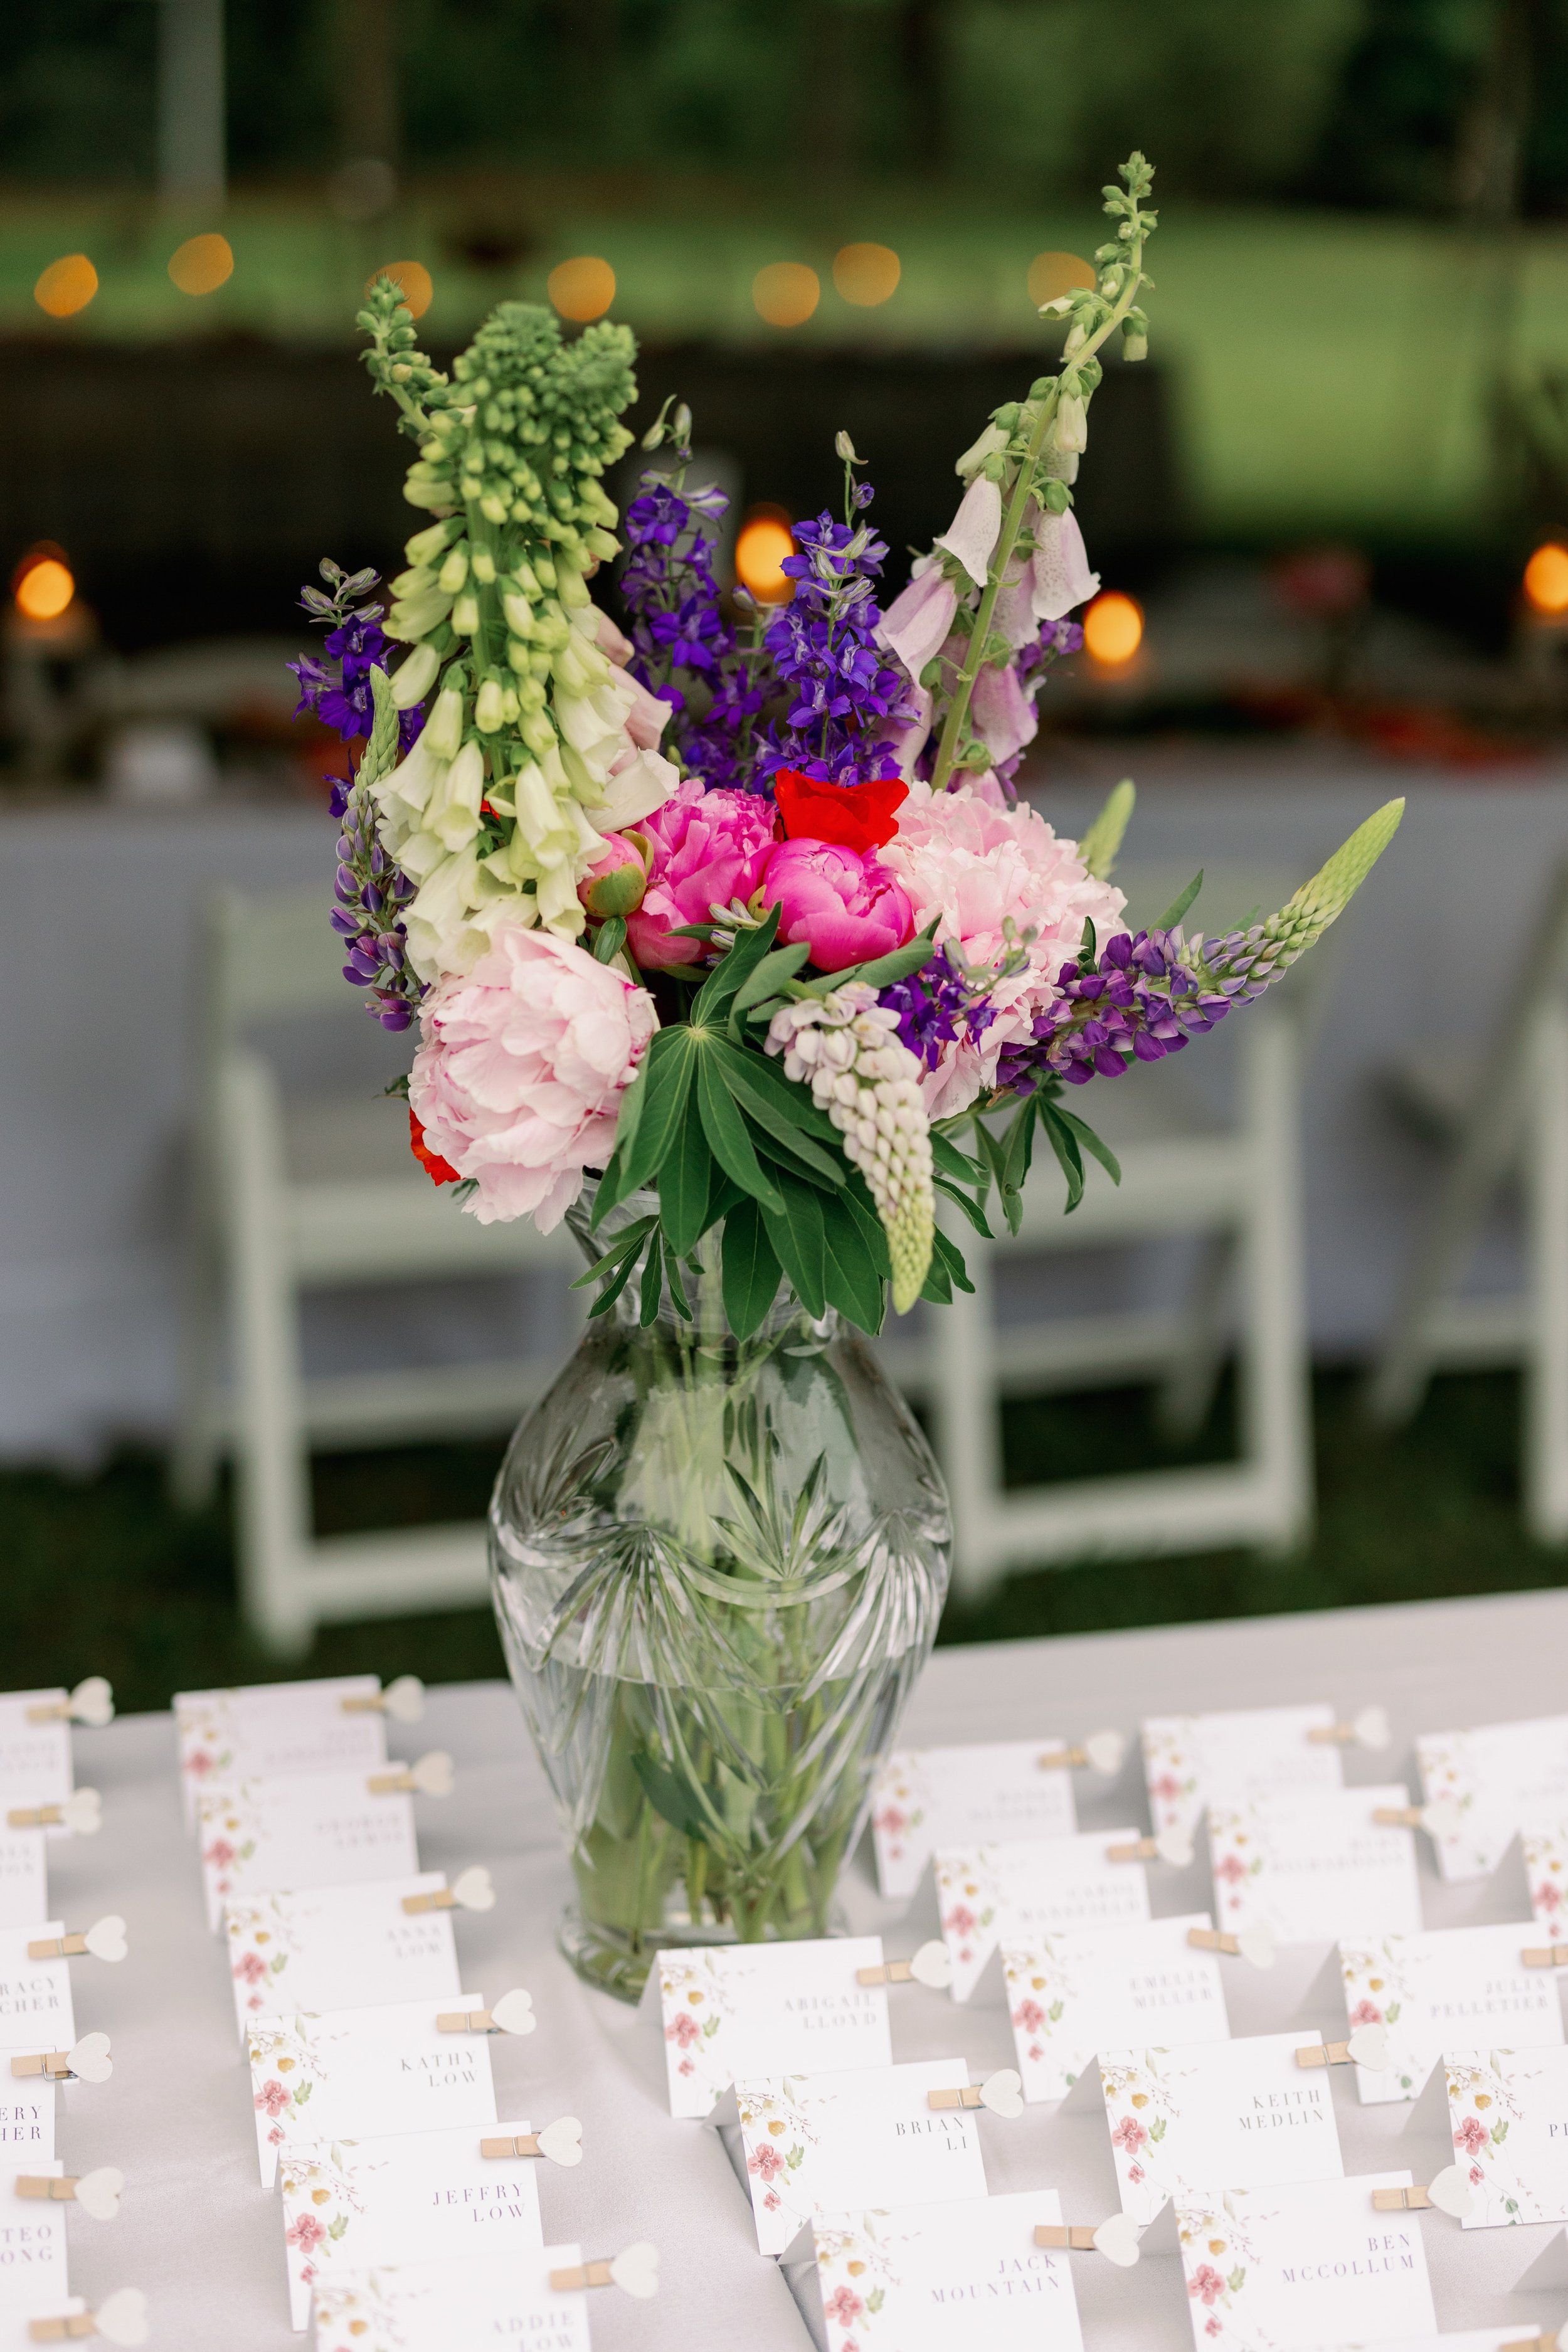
[[1101, 843], [380, 756], [1318, 903]]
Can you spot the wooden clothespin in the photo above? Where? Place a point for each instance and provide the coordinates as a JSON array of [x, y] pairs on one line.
[[119, 2318], [1001, 2093], [931, 1965], [634, 2272], [1254, 1943], [97, 2194], [403, 1700], [1325, 2053], [471, 1890], [1401, 2200], [88, 2061], [82, 1813], [1169, 1845], [91, 1702], [1102, 1751], [1368, 1729], [1548, 1956], [1078, 2235], [513, 2013], [104, 1940], [432, 1776], [560, 2142]]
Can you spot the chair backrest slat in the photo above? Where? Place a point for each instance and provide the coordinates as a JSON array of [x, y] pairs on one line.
[[272, 956]]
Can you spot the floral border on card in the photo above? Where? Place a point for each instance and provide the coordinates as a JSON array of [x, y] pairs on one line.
[[1235, 1870], [1546, 1868], [250, 1925], [1483, 2106], [898, 1804], [1030, 1972], [1447, 1763], [1175, 1801], [228, 1822], [281, 2049], [776, 2135], [1141, 2106], [1217, 2258], [966, 1901], [855, 2268], [321, 2206], [696, 1979], [357, 2314], [1379, 1990]]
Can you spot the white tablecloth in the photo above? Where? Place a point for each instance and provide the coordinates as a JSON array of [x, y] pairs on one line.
[[204, 2241]]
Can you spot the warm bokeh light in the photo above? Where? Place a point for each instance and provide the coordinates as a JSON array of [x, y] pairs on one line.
[[582, 289], [786, 293], [202, 264], [43, 587], [867, 274], [1054, 274], [413, 280], [1546, 578], [1114, 628], [66, 286], [763, 541]]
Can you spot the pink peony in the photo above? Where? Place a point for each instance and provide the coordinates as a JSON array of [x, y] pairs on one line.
[[518, 1076], [975, 868], [845, 907], [706, 848]]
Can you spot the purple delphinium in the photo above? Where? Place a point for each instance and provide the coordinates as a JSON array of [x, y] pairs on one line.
[[1140, 999], [824, 654], [337, 689], [678, 626], [930, 1004]]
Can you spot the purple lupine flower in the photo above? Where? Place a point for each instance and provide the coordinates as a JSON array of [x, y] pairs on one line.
[[1141, 998], [678, 628], [824, 652], [932, 1003]]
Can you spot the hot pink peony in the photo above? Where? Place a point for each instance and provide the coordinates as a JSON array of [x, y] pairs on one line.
[[974, 867], [847, 907], [520, 1075], [706, 849]]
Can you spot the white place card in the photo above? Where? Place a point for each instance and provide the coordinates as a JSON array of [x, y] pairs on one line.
[[273, 1731], [24, 1877], [340, 1948], [1293, 2270], [1508, 2114], [1315, 1867], [34, 1995], [35, 1757], [935, 2278], [1012, 1892], [1469, 2339], [1093, 1988], [1448, 1986], [417, 2197], [1546, 1870], [1192, 1761], [32, 2242], [734, 2010], [449, 2306], [27, 2123], [820, 2144], [358, 2074], [928, 1799], [1240, 2112], [1500, 1777], [320, 1829]]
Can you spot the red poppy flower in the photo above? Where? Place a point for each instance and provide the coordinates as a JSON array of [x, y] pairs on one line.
[[853, 817], [440, 1171]]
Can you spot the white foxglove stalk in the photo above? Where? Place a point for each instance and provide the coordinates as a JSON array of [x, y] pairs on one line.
[[844, 1046], [416, 676], [454, 816], [444, 727], [489, 708]]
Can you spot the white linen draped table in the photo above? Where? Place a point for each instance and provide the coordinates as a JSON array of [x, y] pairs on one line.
[[204, 2241]]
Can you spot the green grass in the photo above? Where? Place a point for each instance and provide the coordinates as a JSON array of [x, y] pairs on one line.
[[105, 1576]]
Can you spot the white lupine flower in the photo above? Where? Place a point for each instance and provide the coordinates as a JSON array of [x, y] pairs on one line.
[[844, 1047]]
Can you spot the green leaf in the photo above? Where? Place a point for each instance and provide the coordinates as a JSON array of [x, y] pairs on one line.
[[991, 1156], [1091, 1142], [682, 1305], [937, 1286], [672, 1799], [623, 1244], [1017, 1156], [750, 1269], [652, 1283], [764, 1074], [1064, 1143], [800, 1240], [882, 970], [971, 1209], [732, 1146], [763, 1112], [1179, 903], [1102, 843], [614, 1287], [857, 1198], [611, 938], [952, 1258], [736, 965], [765, 980], [853, 1283], [683, 1185], [948, 1160], [668, 1068]]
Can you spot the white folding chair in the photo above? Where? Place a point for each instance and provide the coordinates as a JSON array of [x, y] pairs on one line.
[[1231, 1182], [1500, 1118], [291, 1194]]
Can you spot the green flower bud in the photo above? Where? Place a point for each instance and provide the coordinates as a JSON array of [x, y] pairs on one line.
[[415, 617], [454, 572], [427, 545], [414, 582], [416, 676], [573, 592], [518, 614], [465, 616], [602, 545], [519, 656], [545, 571], [537, 732], [1134, 344], [495, 505], [444, 727], [619, 892], [522, 572], [484, 565], [488, 707]]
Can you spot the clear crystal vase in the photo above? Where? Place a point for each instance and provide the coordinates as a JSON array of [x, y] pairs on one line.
[[718, 1566]]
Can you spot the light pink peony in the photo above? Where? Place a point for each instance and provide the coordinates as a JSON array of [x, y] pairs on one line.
[[706, 849], [518, 1076], [845, 907], [970, 866]]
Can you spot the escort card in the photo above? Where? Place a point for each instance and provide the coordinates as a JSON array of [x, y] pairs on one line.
[[449, 2306], [1449, 1984], [1012, 1893], [1271, 2269], [35, 1757], [1546, 1869], [1192, 1761], [822, 2144], [340, 1948], [930, 2278], [1240, 2112], [320, 1829], [24, 1877], [1470, 2339], [1500, 1777], [1507, 2112], [928, 1799], [32, 2243], [360, 2073], [745, 2010], [1095, 1989], [34, 1995], [27, 2123], [1314, 1867], [418, 2197], [273, 1731]]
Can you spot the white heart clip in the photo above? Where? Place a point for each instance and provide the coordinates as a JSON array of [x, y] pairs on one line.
[[471, 1890], [82, 1812], [562, 2141], [105, 1939], [932, 1966], [123, 2318], [1175, 1847], [433, 1775], [1371, 1728], [89, 2059], [1450, 2191], [92, 1702], [635, 2272], [404, 1699], [97, 2194], [1368, 2046], [1117, 2239], [513, 2012], [1256, 1944], [1106, 1751], [1003, 2093]]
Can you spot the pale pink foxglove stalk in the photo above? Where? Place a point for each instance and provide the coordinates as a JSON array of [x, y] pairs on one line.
[[844, 1046]]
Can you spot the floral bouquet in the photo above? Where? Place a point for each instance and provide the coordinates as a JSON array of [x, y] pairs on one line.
[[726, 931]]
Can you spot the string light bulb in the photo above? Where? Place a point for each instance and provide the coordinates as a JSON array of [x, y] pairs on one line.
[[1546, 579], [1113, 629], [762, 545]]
